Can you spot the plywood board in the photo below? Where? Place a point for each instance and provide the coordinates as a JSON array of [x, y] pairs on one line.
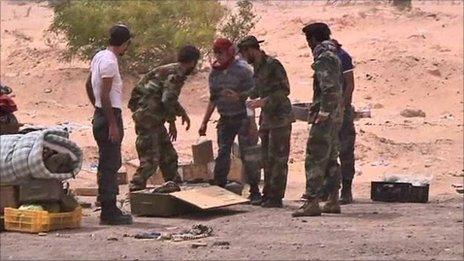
[[209, 197]]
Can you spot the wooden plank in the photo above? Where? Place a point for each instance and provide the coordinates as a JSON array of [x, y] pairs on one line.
[[209, 197], [86, 192]]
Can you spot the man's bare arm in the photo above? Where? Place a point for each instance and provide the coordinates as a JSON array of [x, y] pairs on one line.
[[348, 77], [114, 134], [89, 90]]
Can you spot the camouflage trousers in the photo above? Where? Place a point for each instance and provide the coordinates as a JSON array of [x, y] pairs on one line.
[[321, 163], [155, 149], [275, 145], [347, 137]]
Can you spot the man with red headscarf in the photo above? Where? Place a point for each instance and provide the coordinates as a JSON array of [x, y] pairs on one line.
[[229, 73]]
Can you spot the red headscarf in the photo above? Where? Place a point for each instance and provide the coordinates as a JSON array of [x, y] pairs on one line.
[[7, 105], [221, 45]]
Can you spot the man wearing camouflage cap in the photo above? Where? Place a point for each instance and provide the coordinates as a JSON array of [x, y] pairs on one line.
[[326, 115], [270, 92], [153, 102]]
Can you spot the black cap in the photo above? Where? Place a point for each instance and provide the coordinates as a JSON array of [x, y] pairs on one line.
[[249, 41], [316, 28], [119, 34]]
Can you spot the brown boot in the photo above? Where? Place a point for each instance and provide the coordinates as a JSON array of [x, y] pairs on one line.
[[310, 209], [346, 196], [332, 205]]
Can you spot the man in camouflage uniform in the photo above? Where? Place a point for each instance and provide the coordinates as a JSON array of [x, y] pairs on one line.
[[153, 102], [347, 133], [272, 88], [326, 115]]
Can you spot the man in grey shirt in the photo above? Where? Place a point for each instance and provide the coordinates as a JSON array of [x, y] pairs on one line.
[[228, 73]]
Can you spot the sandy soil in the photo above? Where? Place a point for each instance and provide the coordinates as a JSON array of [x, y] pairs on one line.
[[403, 60]]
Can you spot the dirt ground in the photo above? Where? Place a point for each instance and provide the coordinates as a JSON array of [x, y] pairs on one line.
[[403, 60]]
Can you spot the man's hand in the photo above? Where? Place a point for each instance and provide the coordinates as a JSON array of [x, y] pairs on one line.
[[253, 104], [186, 119], [113, 133], [202, 130], [172, 131], [230, 95], [321, 118]]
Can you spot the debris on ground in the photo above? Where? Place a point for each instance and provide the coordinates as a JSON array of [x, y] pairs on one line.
[[112, 239], [197, 245], [148, 235], [459, 188], [196, 232], [167, 187], [221, 243], [414, 180], [411, 113], [380, 162]]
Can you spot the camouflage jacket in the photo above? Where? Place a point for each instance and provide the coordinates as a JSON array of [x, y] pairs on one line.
[[155, 99], [328, 81], [271, 82]]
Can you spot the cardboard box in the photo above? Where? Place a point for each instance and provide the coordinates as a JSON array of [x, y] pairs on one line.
[[86, 192], [236, 172], [195, 172], [8, 197], [40, 190], [122, 178], [145, 203], [191, 198], [203, 152]]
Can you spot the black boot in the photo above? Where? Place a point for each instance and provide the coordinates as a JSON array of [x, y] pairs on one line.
[[255, 196], [112, 215], [272, 203], [346, 196]]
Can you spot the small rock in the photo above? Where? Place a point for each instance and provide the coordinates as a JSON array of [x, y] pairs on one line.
[[221, 243], [378, 106], [304, 221], [369, 77], [42, 234], [47, 90], [410, 113], [197, 245], [435, 72], [112, 239]]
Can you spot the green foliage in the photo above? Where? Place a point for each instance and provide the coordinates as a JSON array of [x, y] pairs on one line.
[[402, 5], [238, 25], [160, 27]]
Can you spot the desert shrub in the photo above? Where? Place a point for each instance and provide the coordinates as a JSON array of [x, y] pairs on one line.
[[237, 25], [160, 27], [402, 5]]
